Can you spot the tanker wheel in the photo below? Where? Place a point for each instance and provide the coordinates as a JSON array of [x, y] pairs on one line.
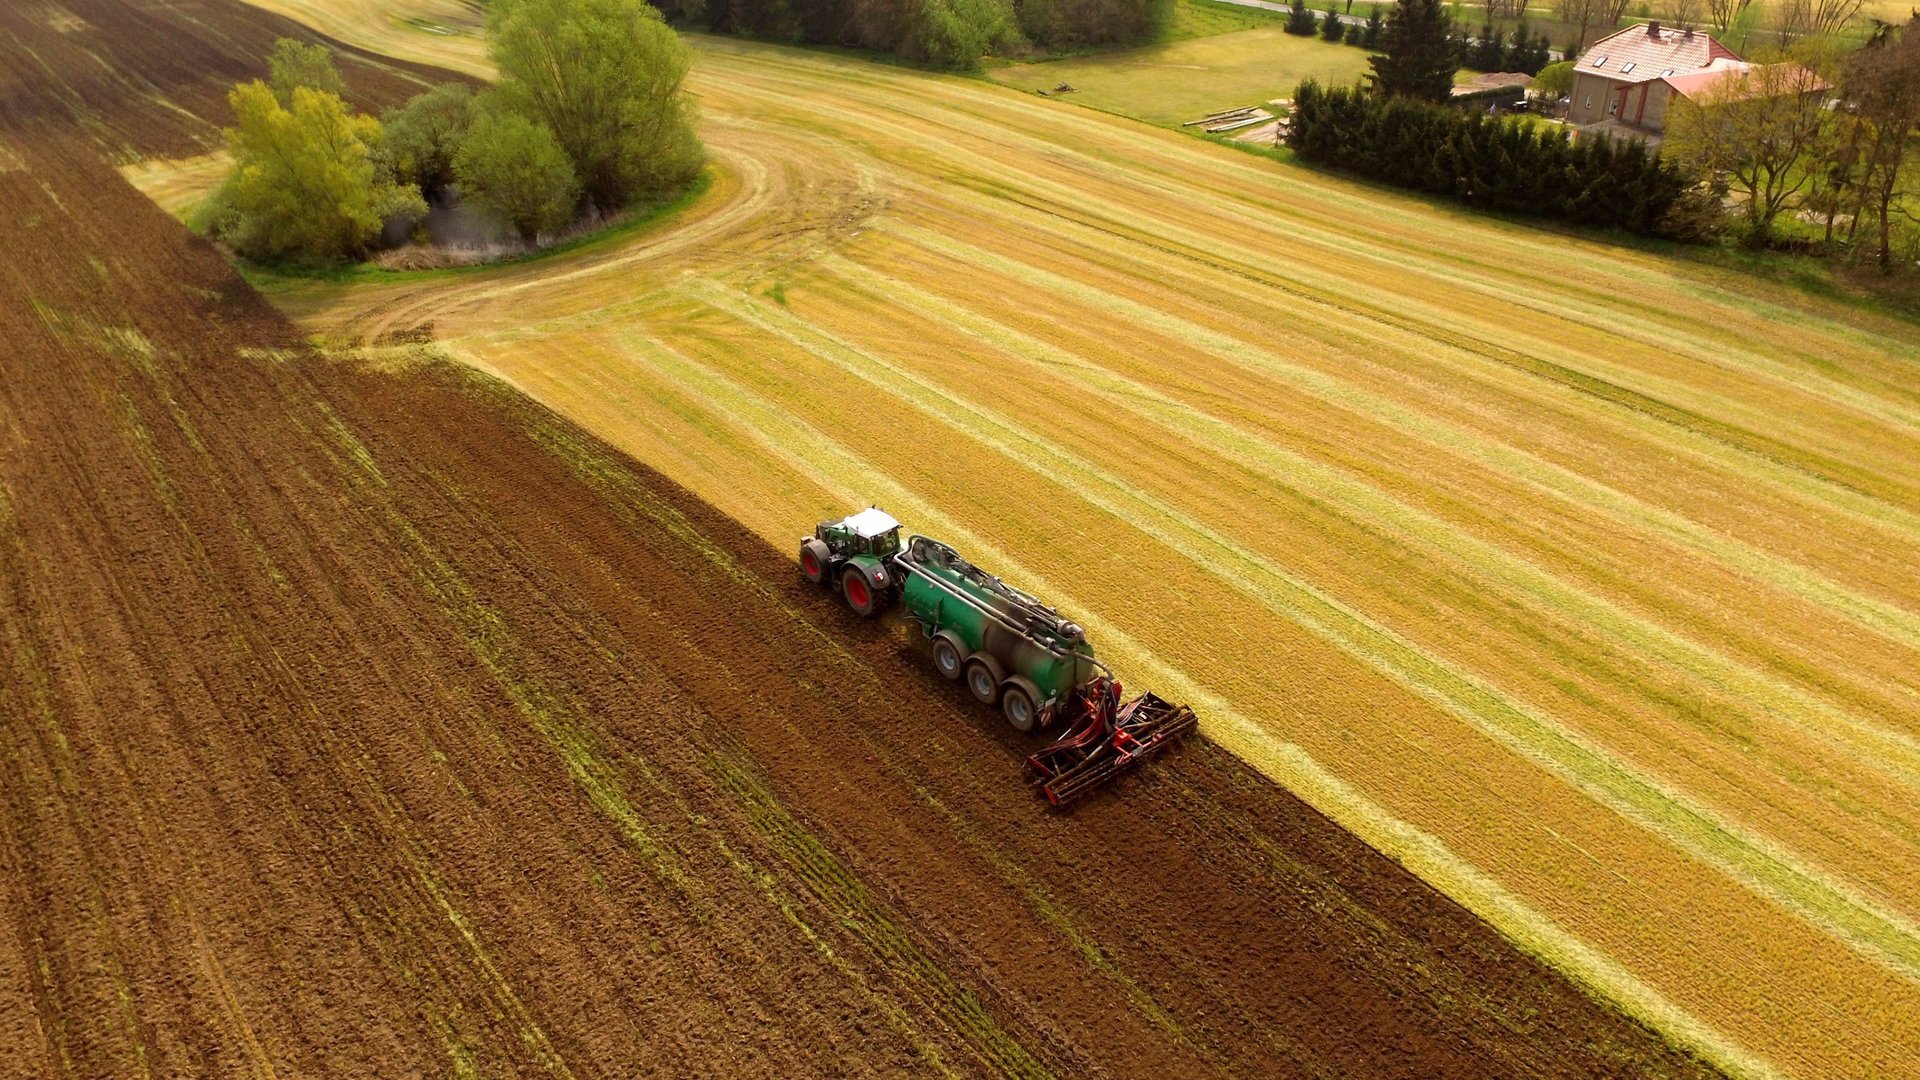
[[811, 566], [947, 659], [983, 682], [1017, 706], [860, 595]]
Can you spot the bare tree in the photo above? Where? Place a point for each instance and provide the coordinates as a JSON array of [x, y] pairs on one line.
[[1881, 87], [1583, 16], [1507, 9], [1755, 129], [1722, 12], [1681, 13], [1801, 20]]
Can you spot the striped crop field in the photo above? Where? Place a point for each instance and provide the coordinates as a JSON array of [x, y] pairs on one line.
[[1583, 581]]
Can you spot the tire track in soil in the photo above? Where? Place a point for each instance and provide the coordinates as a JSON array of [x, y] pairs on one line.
[[371, 722]]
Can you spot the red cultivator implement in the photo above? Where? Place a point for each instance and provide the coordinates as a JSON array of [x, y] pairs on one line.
[[1109, 738]]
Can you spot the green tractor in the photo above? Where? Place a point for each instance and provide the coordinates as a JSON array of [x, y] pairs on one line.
[[1008, 648], [851, 555]]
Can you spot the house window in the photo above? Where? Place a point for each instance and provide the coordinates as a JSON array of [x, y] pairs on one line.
[[1629, 66], [1589, 102], [1666, 73], [1599, 61]]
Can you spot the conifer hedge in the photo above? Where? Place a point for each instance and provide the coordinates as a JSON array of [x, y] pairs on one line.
[[1495, 163]]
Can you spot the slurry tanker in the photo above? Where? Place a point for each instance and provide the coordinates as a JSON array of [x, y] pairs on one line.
[[1008, 648]]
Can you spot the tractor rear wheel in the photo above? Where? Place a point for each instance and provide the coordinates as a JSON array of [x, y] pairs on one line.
[[947, 659], [813, 562], [983, 680], [861, 596], [1017, 706]]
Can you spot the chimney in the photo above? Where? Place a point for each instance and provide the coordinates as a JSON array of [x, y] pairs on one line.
[[1653, 30], [1687, 33]]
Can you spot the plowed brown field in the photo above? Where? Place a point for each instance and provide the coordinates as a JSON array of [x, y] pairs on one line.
[[369, 720]]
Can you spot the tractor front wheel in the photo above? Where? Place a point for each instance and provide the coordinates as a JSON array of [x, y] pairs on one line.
[[860, 595]]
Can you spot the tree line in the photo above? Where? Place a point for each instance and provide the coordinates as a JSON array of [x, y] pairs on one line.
[[548, 143], [944, 33]]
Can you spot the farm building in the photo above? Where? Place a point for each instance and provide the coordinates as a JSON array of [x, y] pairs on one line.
[[1625, 82]]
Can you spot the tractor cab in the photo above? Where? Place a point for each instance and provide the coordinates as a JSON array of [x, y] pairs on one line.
[[871, 532]]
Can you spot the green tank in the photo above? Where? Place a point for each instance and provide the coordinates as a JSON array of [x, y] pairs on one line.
[[1012, 650]]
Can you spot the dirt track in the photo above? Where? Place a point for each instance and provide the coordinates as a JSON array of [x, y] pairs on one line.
[[377, 722]]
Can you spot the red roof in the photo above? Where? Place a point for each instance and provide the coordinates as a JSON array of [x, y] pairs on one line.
[[1640, 53], [1773, 79]]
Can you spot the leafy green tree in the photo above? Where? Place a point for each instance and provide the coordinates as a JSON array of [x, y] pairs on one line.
[[1420, 58], [514, 170], [1554, 81], [423, 135], [1331, 28], [605, 77], [294, 64], [955, 33], [304, 183], [1299, 19]]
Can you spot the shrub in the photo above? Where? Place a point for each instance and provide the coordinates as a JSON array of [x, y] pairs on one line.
[[1299, 19], [514, 170], [304, 184], [423, 135]]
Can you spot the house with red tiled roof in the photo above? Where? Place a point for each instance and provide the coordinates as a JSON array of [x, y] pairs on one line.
[[1626, 81]]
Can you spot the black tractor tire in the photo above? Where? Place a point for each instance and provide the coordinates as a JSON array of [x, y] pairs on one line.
[[984, 678], [948, 659], [1017, 705], [816, 562], [861, 596]]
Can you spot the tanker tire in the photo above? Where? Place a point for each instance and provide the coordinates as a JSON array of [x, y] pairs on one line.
[[983, 680], [948, 660], [1017, 706], [862, 597]]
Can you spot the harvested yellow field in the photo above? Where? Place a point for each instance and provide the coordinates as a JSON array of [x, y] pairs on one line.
[[1584, 581]]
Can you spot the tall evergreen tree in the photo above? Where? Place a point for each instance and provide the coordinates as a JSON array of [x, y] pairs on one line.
[[1489, 52], [1300, 19], [1331, 28], [1375, 29], [1420, 59]]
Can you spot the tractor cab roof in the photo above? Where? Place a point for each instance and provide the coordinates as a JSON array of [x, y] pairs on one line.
[[870, 523]]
